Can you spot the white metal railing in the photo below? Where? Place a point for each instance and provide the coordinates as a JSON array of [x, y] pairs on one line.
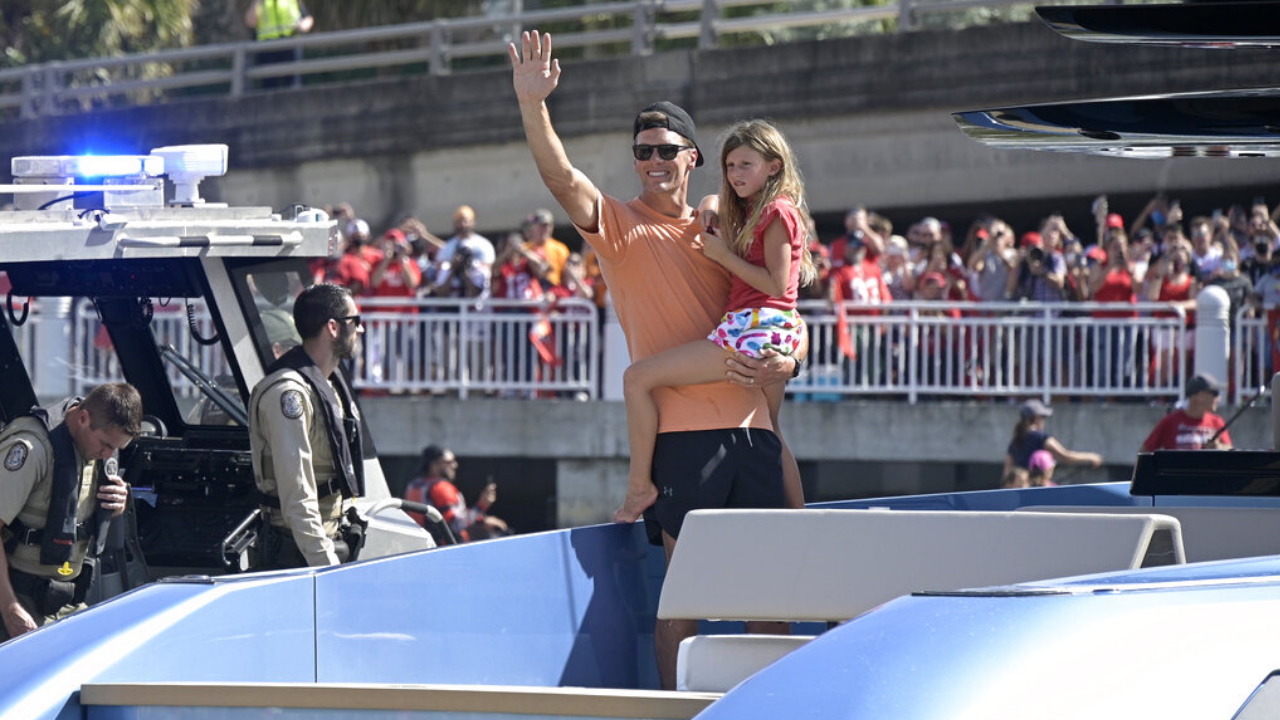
[[922, 349], [93, 360], [510, 348], [435, 47], [914, 351], [409, 346], [79, 355], [1251, 364]]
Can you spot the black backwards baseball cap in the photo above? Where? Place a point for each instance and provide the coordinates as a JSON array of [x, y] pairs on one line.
[[677, 121], [1203, 382]]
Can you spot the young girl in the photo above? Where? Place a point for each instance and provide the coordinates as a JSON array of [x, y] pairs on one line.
[[761, 240]]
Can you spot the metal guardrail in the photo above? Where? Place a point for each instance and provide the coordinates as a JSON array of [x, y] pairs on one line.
[[425, 345], [912, 351], [1251, 364], [507, 348], [437, 47], [928, 350]]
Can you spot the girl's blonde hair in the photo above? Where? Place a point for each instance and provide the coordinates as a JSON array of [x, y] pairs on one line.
[[740, 216]]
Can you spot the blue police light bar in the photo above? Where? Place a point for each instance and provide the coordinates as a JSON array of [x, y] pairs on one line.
[[87, 166]]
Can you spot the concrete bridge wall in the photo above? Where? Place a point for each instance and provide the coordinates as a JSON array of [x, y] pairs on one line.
[[852, 448]]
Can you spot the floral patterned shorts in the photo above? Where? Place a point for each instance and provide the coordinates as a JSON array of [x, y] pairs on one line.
[[754, 330]]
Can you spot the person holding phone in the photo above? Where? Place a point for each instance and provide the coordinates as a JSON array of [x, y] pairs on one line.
[[58, 489], [435, 486]]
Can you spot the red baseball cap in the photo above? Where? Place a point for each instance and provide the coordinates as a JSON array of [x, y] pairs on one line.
[[933, 278]]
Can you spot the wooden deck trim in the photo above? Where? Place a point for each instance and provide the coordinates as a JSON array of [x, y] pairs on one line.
[[584, 702]]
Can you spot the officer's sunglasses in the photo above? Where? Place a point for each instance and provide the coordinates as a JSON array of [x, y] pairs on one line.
[[354, 318], [666, 152]]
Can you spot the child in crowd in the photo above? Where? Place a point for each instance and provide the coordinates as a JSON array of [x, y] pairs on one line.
[[759, 237], [1040, 469]]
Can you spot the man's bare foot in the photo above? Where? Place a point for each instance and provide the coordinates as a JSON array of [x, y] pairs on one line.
[[635, 504]]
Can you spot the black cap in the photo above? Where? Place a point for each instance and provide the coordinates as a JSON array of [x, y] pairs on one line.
[[1203, 382], [430, 454], [678, 121]]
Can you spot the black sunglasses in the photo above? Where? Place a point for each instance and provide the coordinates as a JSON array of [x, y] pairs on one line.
[[666, 152], [353, 318]]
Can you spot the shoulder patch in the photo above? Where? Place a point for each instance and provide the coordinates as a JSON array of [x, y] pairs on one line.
[[291, 404], [16, 457]]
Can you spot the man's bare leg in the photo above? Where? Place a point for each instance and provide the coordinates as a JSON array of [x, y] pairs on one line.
[[667, 634]]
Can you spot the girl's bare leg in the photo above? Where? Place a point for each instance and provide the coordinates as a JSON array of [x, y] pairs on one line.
[[791, 487], [695, 363]]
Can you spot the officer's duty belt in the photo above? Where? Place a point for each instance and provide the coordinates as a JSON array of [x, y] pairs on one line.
[[323, 490], [23, 535]]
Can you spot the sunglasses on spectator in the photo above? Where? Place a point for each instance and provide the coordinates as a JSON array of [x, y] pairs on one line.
[[666, 152], [355, 319]]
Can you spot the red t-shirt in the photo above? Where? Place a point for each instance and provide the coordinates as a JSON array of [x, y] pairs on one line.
[[838, 247], [398, 281], [515, 281], [862, 284], [352, 272], [1117, 287], [741, 294], [1174, 291], [1180, 431]]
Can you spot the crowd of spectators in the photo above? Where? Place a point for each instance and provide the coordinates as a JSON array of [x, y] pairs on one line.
[[408, 261], [1158, 255]]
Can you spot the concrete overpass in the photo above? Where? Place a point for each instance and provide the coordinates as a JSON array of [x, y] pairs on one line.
[[576, 453], [869, 117]]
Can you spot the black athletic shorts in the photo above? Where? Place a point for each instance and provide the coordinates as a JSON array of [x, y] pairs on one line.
[[736, 468]]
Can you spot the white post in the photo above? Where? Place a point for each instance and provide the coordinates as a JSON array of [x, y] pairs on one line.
[[616, 355], [52, 349], [1213, 332]]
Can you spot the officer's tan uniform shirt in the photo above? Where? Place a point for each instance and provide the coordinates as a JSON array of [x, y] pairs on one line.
[[291, 457], [26, 488]]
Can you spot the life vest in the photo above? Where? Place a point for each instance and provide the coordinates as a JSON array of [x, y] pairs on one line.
[[342, 428], [61, 530], [278, 18]]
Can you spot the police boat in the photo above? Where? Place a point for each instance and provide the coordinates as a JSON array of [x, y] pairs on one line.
[[112, 273]]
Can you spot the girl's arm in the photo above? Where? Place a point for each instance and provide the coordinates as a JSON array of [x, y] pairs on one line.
[[1071, 457], [770, 279]]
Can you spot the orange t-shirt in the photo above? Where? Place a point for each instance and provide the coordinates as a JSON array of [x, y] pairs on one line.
[[667, 293]]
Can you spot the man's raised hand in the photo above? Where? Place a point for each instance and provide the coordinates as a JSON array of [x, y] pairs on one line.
[[533, 73]]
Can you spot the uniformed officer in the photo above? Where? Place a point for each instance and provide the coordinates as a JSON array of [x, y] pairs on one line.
[[56, 497], [304, 435]]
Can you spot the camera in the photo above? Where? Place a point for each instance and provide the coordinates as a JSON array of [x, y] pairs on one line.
[[463, 257], [1035, 255]]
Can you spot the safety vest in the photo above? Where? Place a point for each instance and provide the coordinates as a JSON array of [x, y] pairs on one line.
[[68, 519], [278, 18]]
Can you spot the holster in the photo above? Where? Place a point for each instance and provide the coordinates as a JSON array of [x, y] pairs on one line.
[[351, 534], [278, 551], [51, 596]]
